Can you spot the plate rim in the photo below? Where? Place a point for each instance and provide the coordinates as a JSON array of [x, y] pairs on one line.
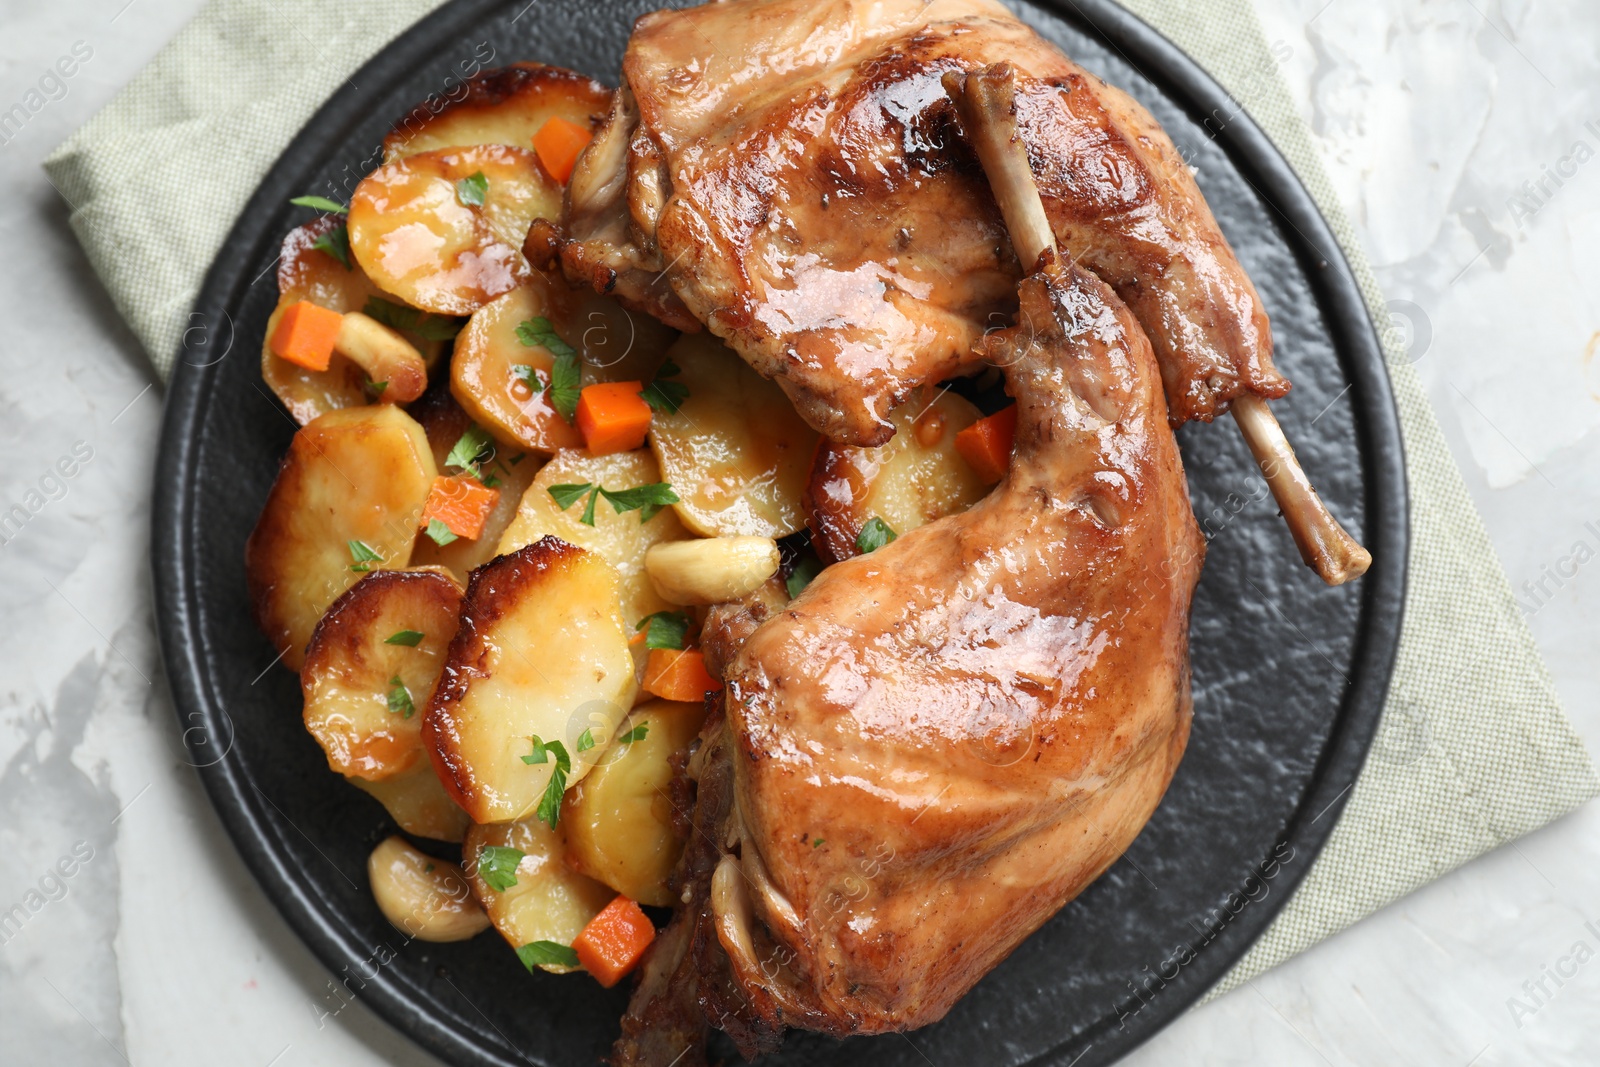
[[202, 712]]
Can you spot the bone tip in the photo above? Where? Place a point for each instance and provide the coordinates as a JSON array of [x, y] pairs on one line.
[[1346, 563]]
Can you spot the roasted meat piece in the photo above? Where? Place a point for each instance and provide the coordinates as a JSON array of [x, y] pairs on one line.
[[794, 169], [940, 743]]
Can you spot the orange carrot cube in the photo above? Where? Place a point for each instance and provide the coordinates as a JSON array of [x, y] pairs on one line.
[[986, 444], [674, 675], [613, 417], [306, 335], [614, 941], [463, 504], [558, 144]]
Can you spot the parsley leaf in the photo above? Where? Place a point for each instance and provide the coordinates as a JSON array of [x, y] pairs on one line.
[[550, 953], [400, 698], [645, 499], [371, 388], [585, 741], [636, 734], [320, 203], [471, 190], [662, 395], [816, 843], [440, 533], [874, 535], [410, 320], [336, 242], [550, 803], [363, 555], [529, 376], [664, 629], [497, 866], [806, 568], [471, 448], [567, 495], [538, 333], [409, 638]]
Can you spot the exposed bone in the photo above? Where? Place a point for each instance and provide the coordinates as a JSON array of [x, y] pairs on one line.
[[985, 101]]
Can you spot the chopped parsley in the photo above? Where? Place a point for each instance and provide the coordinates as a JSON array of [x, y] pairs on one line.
[[336, 242], [400, 698], [409, 320], [546, 953], [440, 534], [647, 500], [550, 804], [472, 448], [320, 203], [874, 535], [538, 333], [664, 629], [373, 389], [471, 190], [663, 395], [816, 843], [565, 376], [409, 638], [638, 733], [497, 866], [585, 741], [806, 568], [363, 556]]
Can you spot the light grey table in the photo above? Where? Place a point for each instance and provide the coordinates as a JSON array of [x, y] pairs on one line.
[[1439, 119]]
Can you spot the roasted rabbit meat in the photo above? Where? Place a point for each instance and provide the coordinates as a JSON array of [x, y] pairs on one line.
[[940, 743]]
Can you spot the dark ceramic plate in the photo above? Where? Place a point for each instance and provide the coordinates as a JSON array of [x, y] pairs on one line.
[[1289, 676]]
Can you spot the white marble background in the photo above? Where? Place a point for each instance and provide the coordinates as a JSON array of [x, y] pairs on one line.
[[1439, 120]]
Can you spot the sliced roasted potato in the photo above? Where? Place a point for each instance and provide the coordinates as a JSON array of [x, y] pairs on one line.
[[505, 105], [622, 539], [429, 899], [353, 484], [512, 471], [415, 231], [371, 668], [736, 452], [487, 375], [541, 651], [418, 803], [619, 821], [548, 902], [915, 478], [307, 273]]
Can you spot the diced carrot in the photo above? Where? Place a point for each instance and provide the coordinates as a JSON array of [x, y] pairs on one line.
[[612, 416], [306, 334], [674, 675], [463, 504], [986, 444], [612, 943], [558, 144]]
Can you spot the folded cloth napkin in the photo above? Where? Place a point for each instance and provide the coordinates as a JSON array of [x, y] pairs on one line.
[[1473, 749]]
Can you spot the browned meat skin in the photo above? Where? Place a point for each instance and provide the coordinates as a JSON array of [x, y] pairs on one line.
[[938, 744], [800, 177]]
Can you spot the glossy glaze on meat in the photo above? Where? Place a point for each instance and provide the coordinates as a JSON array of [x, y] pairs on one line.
[[938, 744], [797, 171]]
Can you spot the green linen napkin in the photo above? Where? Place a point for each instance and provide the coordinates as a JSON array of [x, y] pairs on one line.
[[1473, 750]]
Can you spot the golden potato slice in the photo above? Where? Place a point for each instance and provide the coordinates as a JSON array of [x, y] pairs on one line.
[[506, 105], [541, 652], [548, 901], [307, 273], [512, 471], [418, 803], [915, 478], [618, 821], [346, 503], [429, 899], [736, 452], [371, 668], [622, 539], [488, 375], [712, 570], [416, 231]]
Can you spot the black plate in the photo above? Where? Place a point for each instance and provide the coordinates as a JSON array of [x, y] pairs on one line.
[[1289, 675]]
